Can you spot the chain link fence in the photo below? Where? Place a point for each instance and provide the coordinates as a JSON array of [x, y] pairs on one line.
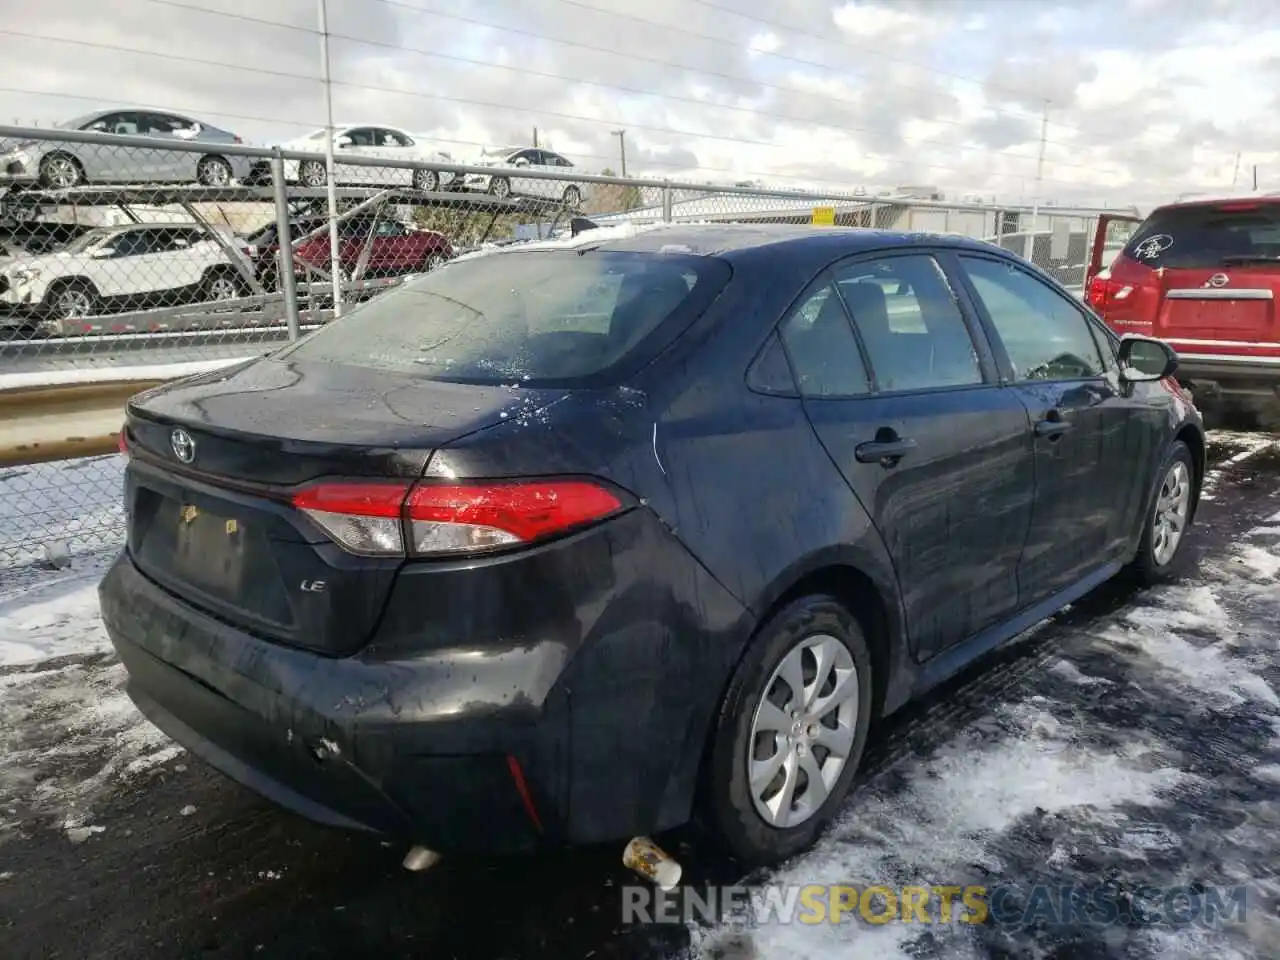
[[133, 257]]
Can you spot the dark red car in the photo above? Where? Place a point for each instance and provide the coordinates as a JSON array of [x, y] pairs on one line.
[[1203, 275], [395, 248]]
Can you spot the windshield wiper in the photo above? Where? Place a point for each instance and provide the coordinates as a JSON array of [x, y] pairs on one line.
[[1243, 259]]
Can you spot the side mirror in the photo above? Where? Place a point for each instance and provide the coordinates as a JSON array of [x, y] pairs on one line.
[[1144, 359], [103, 253], [342, 142], [522, 162]]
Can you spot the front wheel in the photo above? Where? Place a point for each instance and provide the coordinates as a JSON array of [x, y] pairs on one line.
[[71, 300], [572, 197], [428, 181], [312, 174], [790, 733], [1160, 552]]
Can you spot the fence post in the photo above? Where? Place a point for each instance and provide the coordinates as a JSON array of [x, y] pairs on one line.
[[666, 202], [284, 246]]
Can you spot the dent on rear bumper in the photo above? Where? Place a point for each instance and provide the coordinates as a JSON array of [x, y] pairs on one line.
[[607, 719]]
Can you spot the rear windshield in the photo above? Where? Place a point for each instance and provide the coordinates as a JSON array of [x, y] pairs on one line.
[[1208, 236], [537, 317]]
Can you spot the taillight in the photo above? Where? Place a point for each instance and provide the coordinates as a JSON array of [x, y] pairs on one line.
[[1104, 291], [122, 444], [401, 519]]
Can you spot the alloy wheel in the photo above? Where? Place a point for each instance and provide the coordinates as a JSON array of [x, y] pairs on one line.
[[1172, 508]]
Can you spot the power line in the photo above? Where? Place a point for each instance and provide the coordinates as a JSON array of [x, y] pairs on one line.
[[525, 71], [177, 57], [95, 98], [577, 118], [840, 71], [245, 18]]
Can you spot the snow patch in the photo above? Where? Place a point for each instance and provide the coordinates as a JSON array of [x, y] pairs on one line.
[[55, 620]]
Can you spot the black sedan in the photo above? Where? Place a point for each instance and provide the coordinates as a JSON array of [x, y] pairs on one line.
[[578, 541]]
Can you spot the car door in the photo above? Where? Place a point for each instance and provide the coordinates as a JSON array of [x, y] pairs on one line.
[[1087, 458], [176, 165], [363, 143], [526, 186], [394, 249], [904, 398], [134, 270], [393, 145], [119, 164]]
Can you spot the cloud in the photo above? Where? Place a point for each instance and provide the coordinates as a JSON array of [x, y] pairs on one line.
[[1145, 100]]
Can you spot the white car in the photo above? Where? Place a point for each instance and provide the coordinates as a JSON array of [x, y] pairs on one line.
[[517, 159], [374, 142], [134, 266]]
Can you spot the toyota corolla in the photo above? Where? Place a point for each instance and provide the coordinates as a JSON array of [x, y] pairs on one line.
[[578, 541]]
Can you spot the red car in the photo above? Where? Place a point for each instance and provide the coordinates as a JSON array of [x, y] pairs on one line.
[[395, 249], [1204, 276]]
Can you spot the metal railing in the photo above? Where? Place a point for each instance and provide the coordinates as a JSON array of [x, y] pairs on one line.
[[123, 252]]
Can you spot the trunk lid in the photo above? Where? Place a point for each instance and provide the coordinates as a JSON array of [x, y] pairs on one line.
[[220, 530]]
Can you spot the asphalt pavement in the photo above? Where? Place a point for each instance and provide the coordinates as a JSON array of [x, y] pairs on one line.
[[1075, 755]]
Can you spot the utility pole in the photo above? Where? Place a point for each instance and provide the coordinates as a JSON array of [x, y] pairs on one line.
[[622, 148], [535, 136], [1235, 173], [1255, 177], [1035, 199], [335, 264]]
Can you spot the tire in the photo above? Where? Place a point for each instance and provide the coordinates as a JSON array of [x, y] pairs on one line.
[[312, 173], [428, 181], [214, 172], [727, 804], [500, 187], [432, 261], [222, 285], [572, 197], [71, 300], [60, 171], [1154, 563]]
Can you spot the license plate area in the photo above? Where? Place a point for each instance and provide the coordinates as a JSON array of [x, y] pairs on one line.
[[208, 548]]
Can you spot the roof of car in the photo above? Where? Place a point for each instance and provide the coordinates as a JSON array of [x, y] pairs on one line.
[[718, 239]]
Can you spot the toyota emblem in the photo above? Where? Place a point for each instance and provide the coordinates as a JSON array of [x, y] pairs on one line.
[[1218, 280], [184, 448]]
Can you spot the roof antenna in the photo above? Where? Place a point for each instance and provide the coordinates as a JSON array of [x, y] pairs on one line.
[[579, 224]]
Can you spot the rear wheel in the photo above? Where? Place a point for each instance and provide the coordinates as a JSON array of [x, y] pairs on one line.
[[572, 197], [500, 187], [790, 733], [71, 300], [1160, 552], [214, 172], [426, 180]]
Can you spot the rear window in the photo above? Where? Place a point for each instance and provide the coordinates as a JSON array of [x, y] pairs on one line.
[[1207, 236], [538, 317]]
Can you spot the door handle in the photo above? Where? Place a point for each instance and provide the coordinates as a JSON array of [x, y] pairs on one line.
[[1052, 426], [885, 452]]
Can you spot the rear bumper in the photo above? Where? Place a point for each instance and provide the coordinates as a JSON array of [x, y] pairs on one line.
[[1212, 374], [546, 742]]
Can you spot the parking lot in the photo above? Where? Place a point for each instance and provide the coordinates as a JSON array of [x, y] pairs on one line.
[[1132, 741]]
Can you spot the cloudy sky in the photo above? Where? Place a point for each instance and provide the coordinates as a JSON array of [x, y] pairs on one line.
[[1146, 98]]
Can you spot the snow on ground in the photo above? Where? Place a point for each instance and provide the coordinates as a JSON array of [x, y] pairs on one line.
[[1147, 751], [68, 732]]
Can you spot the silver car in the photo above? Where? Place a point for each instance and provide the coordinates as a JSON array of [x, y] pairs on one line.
[[54, 165]]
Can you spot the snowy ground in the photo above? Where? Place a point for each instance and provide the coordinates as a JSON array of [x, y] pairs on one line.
[[1135, 740]]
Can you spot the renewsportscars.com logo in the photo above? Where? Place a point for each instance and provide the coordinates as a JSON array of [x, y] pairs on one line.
[[1066, 905]]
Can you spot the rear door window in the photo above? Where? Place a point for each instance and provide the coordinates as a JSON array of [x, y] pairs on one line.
[[1208, 237], [538, 317]]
